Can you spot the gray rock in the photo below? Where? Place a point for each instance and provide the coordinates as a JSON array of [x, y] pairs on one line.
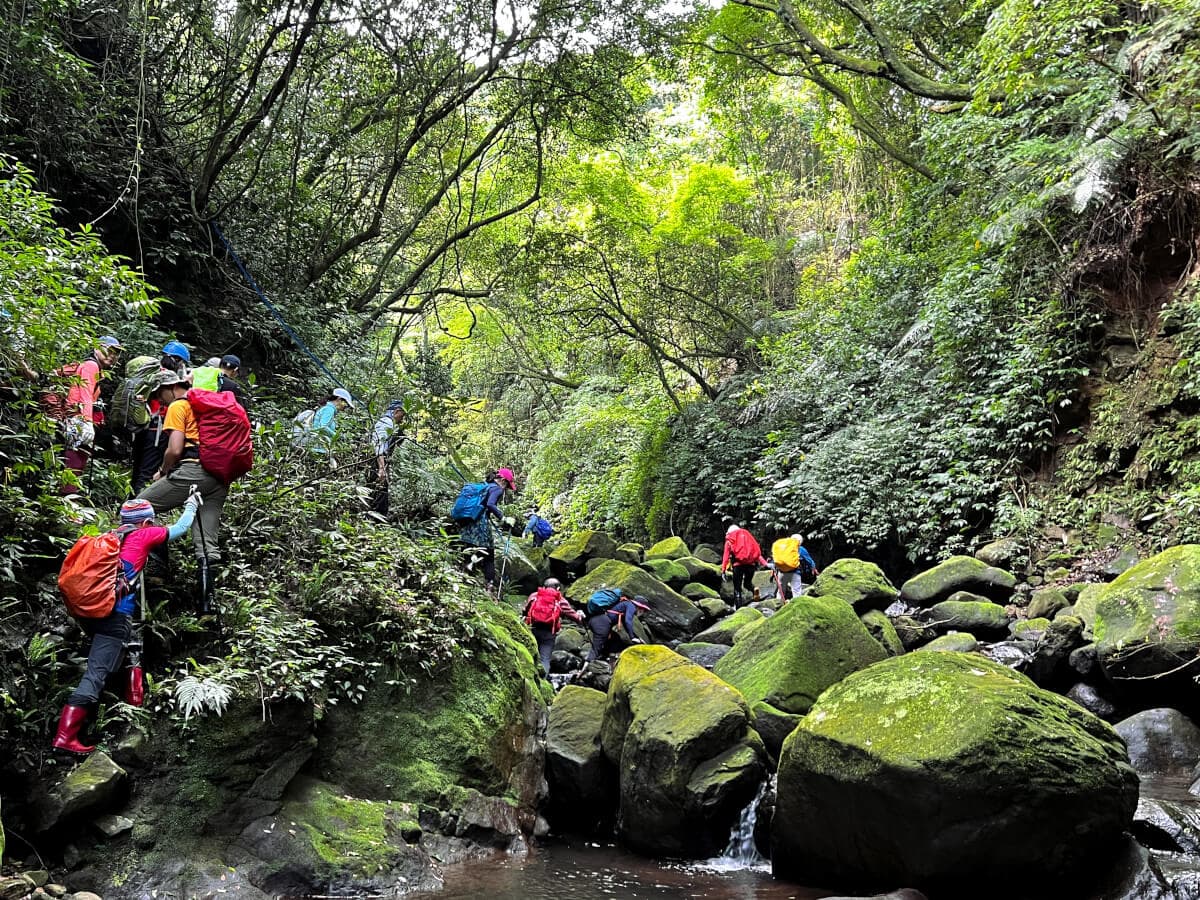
[[954, 642], [1083, 660], [708, 553], [703, 654], [958, 573], [1125, 560], [1160, 741], [1091, 700], [112, 826], [1001, 553], [1167, 825], [1046, 602], [90, 788], [1015, 655], [562, 662], [572, 639], [714, 607]]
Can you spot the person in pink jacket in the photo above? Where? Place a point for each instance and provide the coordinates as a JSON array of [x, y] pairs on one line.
[[79, 412]]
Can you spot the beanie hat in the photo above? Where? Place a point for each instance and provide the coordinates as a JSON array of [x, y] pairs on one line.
[[134, 512]]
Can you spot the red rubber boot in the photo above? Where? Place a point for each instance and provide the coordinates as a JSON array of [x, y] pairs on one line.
[[135, 687], [69, 722]]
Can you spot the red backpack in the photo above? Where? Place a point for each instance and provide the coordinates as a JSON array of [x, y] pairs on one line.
[[226, 450], [92, 578], [744, 548], [544, 608]]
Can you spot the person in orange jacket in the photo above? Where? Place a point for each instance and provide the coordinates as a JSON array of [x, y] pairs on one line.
[[745, 556]]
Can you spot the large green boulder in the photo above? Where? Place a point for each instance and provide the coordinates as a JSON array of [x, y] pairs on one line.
[[707, 553], [790, 658], [1147, 622], [669, 548], [671, 616], [724, 630], [583, 783], [861, 584], [668, 571], [630, 553], [696, 592], [958, 573], [705, 573], [773, 726], [884, 631], [941, 769], [1046, 602], [1085, 605], [954, 642], [570, 557], [687, 757], [984, 620], [95, 786]]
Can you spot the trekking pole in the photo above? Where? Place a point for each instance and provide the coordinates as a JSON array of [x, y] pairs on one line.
[[503, 563]]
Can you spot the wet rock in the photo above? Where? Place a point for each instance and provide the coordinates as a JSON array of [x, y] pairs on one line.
[[1167, 825], [702, 654], [113, 826], [562, 662], [1001, 554], [883, 630], [597, 675], [1032, 630], [773, 726], [92, 787], [1132, 874], [570, 557], [583, 783], [903, 773], [1046, 602], [1160, 741], [790, 658], [1013, 654], [861, 584], [1091, 700], [983, 620], [669, 548], [955, 642], [697, 593], [671, 616], [958, 573], [724, 631], [85, 895]]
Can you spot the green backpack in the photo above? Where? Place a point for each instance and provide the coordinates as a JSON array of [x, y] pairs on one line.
[[129, 409]]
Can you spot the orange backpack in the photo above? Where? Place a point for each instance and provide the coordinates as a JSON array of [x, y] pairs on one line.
[[92, 577]]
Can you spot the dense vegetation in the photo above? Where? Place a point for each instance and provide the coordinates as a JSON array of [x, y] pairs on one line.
[[906, 276]]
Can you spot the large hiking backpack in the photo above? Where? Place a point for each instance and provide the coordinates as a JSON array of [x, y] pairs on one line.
[[226, 450], [92, 578], [542, 529], [745, 549], [469, 504], [786, 554], [605, 598], [544, 610], [807, 570], [129, 403]]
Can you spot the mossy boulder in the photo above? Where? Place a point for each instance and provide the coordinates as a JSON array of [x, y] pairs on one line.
[[708, 553], [705, 573], [630, 553], [861, 584], [1030, 629], [983, 620], [943, 769], [958, 573], [1002, 553], [955, 642], [94, 786], [668, 571], [569, 558], [687, 757], [583, 783], [475, 724], [671, 616], [1085, 604], [519, 570], [791, 657], [1046, 602], [669, 548], [725, 629], [883, 630], [695, 592], [773, 726], [714, 607], [1148, 620], [572, 639]]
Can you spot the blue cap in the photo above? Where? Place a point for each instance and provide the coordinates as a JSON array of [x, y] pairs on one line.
[[174, 348], [109, 341], [231, 361]]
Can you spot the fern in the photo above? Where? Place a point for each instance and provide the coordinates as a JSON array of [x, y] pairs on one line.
[[201, 696]]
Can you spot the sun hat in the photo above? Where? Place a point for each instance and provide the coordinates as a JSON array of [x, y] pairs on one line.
[[343, 394], [134, 512], [168, 377]]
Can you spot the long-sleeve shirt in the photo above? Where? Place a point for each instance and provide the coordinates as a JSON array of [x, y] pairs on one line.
[[804, 555], [626, 609], [324, 427], [136, 547], [385, 435], [495, 493], [564, 607], [742, 551]]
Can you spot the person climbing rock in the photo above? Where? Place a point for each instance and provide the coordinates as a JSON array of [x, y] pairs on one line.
[[173, 482], [386, 434], [543, 614], [606, 614], [78, 412], [537, 527], [110, 634], [745, 556], [477, 534], [792, 559]]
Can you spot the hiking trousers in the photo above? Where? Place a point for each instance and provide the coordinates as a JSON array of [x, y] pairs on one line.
[[109, 636], [544, 635], [743, 577], [601, 626], [171, 492]]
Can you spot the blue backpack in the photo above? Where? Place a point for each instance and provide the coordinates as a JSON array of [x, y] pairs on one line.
[[468, 506], [542, 529], [605, 598]]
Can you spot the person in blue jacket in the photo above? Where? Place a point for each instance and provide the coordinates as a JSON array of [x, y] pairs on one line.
[[478, 534], [324, 421]]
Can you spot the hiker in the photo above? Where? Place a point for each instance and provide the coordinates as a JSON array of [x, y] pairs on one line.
[[744, 554], [179, 472], [318, 427], [610, 608], [109, 634], [477, 534], [176, 357], [149, 443], [79, 413], [791, 558], [543, 614], [230, 366], [540, 528], [386, 434]]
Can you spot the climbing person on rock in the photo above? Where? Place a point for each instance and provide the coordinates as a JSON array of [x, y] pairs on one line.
[[385, 435], [537, 527], [792, 558], [543, 614], [78, 412], [477, 534], [609, 609], [745, 556], [110, 634]]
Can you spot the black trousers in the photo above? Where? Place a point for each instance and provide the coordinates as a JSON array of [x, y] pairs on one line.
[[544, 635], [743, 577], [601, 626], [109, 636]]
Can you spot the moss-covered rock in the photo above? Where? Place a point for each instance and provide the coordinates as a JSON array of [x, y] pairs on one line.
[[773, 726], [958, 573], [1085, 604], [943, 769], [1002, 553], [913, 632], [671, 616], [705, 573], [520, 571], [954, 642], [714, 607], [1148, 620], [569, 558], [697, 592], [630, 553], [883, 630], [1046, 602], [1030, 629], [583, 783], [708, 553], [861, 584], [669, 548], [723, 631], [572, 639], [688, 759], [981, 619], [790, 658], [668, 571], [94, 786]]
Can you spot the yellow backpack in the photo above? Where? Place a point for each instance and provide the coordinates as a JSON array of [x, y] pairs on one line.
[[786, 554]]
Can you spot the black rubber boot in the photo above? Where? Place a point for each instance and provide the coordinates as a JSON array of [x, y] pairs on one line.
[[205, 575]]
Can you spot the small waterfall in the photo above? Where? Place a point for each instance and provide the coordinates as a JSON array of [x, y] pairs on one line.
[[741, 852]]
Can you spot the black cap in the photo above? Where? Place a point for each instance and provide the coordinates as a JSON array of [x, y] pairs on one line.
[[231, 361]]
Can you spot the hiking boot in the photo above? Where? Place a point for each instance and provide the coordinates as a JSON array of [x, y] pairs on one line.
[[70, 721], [206, 578]]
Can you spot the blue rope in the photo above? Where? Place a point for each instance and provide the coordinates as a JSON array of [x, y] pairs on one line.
[[274, 311]]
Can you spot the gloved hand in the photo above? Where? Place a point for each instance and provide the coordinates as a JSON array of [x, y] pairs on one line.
[[771, 566], [195, 498], [508, 522]]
